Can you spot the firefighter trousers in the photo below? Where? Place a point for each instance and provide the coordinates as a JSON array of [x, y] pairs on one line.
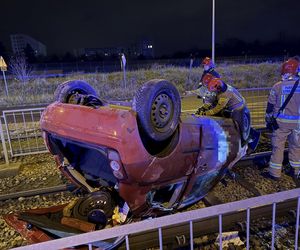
[[279, 138]]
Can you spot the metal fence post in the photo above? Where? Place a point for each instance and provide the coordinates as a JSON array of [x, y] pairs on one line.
[[273, 225], [220, 232], [160, 237], [297, 224], [191, 235], [248, 228], [127, 243], [3, 144]]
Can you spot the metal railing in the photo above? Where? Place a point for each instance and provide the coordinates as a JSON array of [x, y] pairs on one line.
[[256, 99], [3, 144], [22, 131], [190, 217]]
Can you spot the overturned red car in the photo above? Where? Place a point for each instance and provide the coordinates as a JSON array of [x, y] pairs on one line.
[[148, 159]]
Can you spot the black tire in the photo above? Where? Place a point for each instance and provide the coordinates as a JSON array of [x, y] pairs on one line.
[[243, 118], [67, 91], [158, 108]]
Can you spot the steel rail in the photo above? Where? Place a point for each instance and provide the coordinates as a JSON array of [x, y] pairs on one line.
[[146, 240], [68, 187], [259, 155], [206, 226], [39, 191], [233, 211]]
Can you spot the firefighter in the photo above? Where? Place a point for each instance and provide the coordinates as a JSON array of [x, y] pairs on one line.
[[208, 67], [231, 104], [288, 120], [209, 98]]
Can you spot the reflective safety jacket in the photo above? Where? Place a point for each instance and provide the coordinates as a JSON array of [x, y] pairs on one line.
[[229, 99], [278, 94]]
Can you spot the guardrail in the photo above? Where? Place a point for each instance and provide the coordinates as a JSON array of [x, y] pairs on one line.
[[189, 217]]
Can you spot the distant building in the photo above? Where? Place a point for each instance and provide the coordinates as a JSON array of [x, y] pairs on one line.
[[141, 49], [103, 52], [145, 48], [20, 41]]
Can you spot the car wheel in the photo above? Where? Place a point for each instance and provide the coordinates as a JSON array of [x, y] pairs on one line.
[[70, 91], [97, 208], [243, 119], [158, 108]]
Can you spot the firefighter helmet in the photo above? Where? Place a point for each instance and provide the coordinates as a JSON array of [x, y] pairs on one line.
[[207, 78], [290, 67], [215, 84], [208, 62]]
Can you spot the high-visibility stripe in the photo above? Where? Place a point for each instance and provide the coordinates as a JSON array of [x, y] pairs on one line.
[[289, 117], [288, 121], [275, 165], [295, 164]]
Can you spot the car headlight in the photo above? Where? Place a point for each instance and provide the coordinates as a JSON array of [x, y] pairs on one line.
[[116, 164]]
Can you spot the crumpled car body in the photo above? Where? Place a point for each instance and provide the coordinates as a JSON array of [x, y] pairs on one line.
[[104, 147]]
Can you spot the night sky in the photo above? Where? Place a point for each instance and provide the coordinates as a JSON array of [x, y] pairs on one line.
[[173, 25]]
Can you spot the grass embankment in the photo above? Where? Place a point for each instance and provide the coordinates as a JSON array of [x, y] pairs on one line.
[[110, 86]]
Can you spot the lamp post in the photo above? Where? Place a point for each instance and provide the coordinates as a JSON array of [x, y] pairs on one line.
[[123, 66], [213, 32]]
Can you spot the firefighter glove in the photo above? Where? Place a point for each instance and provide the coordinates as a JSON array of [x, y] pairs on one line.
[[200, 111]]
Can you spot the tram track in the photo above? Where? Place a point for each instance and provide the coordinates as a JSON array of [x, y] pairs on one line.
[[178, 237], [39, 191], [70, 187], [247, 160], [210, 225]]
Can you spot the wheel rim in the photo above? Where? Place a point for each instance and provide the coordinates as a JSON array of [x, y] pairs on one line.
[[99, 201], [161, 111]]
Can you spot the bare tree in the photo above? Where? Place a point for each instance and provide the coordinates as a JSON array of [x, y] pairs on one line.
[[19, 67]]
